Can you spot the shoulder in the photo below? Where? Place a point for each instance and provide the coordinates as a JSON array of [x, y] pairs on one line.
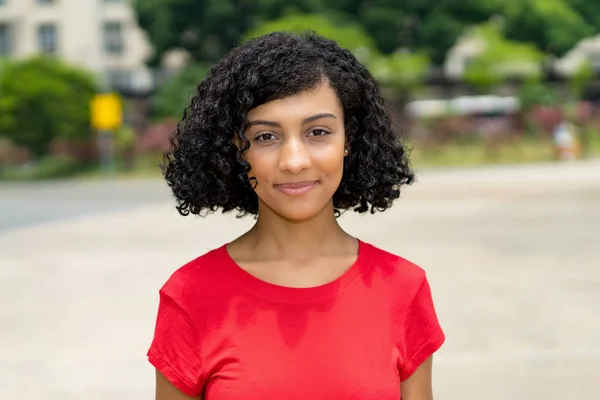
[[194, 278], [394, 269]]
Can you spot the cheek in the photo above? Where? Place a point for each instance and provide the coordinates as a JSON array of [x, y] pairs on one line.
[[261, 165], [331, 162]]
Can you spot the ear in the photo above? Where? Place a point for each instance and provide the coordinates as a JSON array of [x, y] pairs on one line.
[[236, 141]]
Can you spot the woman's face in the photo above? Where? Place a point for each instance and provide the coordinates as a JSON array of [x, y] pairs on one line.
[[297, 152]]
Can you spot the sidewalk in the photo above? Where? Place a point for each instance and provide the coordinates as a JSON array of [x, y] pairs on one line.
[[513, 268]]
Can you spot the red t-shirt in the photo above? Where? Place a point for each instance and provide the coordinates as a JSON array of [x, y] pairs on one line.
[[226, 334]]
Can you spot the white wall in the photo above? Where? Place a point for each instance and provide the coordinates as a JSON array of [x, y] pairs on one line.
[[80, 32]]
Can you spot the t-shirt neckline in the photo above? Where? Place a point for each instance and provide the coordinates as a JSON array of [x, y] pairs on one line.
[[292, 294]]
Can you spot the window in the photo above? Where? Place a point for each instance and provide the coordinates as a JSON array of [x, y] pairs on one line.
[[2, 2], [113, 37], [5, 40], [119, 79], [47, 38]]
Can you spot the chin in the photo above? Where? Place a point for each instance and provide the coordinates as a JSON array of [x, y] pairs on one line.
[[299, 212]]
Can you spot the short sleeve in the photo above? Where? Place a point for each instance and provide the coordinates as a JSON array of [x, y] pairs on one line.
[[419, 331], [175, 348]]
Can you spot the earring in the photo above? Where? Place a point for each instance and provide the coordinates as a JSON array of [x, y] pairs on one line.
[[346, 151]]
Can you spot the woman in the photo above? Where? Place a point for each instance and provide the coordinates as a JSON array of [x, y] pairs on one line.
[[293, 130]]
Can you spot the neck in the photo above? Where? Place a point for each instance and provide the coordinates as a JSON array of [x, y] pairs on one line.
[[276, 238]]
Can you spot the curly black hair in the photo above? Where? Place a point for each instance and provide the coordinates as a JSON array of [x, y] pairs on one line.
[[206, 170]]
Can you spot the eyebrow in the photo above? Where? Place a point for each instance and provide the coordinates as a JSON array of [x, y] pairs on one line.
[[304, 122]]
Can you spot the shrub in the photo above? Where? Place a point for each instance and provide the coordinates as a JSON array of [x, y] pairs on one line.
[[43, 100]]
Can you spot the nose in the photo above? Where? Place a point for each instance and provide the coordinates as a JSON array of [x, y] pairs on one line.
[[294, 156]]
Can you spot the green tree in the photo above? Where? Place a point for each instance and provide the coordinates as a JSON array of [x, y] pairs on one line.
[[535, 94], [552, 25], [174, 96], [589, 11], [581, 78], [401, 68], [402, 71], [501, 59], [349, 35], [42, 99], [209, 28]]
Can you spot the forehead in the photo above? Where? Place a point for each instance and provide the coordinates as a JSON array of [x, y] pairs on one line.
[[320, 99]]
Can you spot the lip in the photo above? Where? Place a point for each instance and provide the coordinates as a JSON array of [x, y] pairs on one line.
[[296, 188]]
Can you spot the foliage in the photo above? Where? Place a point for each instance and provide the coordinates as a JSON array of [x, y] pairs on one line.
[[124, 138], [43, 99], [534, 93], [584, 75], [552, 25], [209, 28], [501, 59], [401, 70], [48, 167], [348, 35], [588, 9], [477, 153], [174, 96]]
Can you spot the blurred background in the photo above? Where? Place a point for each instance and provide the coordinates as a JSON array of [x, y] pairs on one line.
[[499, 98]]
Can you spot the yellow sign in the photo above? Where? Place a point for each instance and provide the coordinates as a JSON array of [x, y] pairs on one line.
[[106, 111]]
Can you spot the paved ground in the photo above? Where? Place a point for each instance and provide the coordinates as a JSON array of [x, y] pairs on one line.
[[512, 255], [27, 204]]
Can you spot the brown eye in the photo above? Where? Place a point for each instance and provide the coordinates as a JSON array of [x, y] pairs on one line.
[[318, 133], [265, 137]]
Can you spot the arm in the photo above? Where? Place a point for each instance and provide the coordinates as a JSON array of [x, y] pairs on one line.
[[166, 391], [418, 385], [421, 336], [175, 353]]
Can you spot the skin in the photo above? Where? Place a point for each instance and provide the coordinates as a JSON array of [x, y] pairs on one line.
[[300, 138]]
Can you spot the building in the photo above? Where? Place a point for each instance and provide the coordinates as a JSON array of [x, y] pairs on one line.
[[586, 52], [99, 35]]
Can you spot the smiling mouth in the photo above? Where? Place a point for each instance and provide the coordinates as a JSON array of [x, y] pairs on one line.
[[296, 188]]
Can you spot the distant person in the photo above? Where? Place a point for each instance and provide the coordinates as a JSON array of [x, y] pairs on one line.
[[565, 140], [292, 129]]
